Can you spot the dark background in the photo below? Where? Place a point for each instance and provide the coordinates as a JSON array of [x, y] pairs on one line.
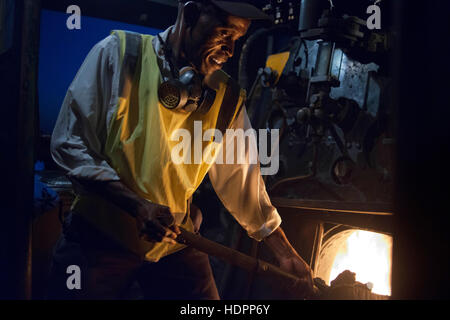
[[421, 250]]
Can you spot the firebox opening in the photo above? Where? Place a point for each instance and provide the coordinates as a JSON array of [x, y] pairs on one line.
[[368, 254]]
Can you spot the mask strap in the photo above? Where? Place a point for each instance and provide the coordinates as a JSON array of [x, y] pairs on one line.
[[169, 57]]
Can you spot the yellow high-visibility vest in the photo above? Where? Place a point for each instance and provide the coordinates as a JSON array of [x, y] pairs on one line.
[[139, 148]]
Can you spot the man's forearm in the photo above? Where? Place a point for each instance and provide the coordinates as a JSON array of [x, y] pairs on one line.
[[279, 244], [114, 191]]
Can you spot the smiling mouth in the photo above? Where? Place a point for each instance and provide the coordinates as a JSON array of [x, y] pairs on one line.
[[217, 62], [213, 63]]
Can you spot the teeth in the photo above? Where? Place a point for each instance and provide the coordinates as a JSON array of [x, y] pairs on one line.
[[217, 61]]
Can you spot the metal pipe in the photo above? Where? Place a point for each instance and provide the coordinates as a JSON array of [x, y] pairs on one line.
[[310, 12], [26, 138], [318, 237]]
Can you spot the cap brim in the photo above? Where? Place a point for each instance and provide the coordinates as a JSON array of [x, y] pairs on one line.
[[242, 10]]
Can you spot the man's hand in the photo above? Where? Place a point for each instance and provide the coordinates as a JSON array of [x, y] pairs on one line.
[[288, 258], [156, 223], [297, 266]]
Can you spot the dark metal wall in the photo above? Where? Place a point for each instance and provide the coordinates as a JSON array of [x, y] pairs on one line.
[[18, 71], [421, 246]]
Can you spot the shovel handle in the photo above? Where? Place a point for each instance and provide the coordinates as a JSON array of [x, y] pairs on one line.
[[236, 258]]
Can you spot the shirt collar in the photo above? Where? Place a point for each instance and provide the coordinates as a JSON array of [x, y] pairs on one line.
[[162, 60]]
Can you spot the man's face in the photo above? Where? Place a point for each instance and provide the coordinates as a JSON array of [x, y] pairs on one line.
[[212, 40]]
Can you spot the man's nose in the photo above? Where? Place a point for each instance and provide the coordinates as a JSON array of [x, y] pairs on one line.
[[228, 48]]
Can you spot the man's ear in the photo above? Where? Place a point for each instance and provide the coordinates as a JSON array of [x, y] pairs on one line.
[[191, 13]]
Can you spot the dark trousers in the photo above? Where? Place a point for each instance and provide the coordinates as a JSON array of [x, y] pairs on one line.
[[108, 271]]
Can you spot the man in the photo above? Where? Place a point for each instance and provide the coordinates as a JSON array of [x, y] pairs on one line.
[[113, 137]]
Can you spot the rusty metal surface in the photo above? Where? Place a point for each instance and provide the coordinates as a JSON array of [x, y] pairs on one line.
[[375, 217], [335, 206]]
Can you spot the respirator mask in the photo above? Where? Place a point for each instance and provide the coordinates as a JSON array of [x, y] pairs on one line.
[[185, 91]]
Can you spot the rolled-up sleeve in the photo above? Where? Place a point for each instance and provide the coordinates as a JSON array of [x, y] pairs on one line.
[[242, 190], [80, 132]]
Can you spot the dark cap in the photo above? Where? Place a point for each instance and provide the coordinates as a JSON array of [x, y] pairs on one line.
[[241, 9], [238, 9]]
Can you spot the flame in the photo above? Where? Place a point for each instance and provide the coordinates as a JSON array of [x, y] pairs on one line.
[[369, 255]]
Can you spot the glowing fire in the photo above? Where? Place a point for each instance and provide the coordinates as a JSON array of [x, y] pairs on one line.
[[369, 255]]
